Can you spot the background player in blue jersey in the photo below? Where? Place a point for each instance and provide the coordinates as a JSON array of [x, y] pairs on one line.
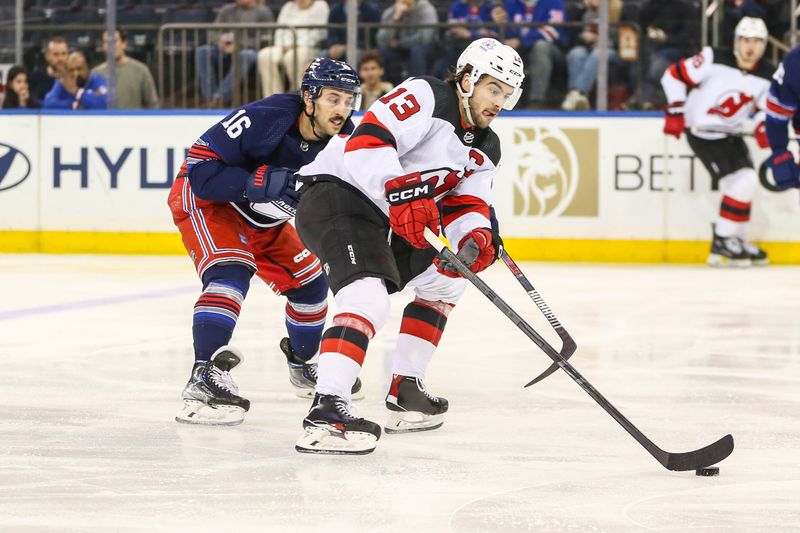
[[783, 104], [231, 203]]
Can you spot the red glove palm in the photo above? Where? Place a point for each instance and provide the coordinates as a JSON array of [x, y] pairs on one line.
[[411, 208], [674, 123], [475, 250], [760, 134]]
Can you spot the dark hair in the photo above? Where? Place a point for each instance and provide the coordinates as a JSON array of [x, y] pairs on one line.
[[123, 34], [453, 78], [11, 100], [57, 40], [370, 55]]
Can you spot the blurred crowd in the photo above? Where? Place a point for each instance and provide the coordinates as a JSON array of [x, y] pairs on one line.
[[557, 40]]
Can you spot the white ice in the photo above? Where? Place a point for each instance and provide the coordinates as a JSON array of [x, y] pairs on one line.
[[94, 351]]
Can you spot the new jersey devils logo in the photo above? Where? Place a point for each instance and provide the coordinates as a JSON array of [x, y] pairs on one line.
[[729, 104], [445, 179]]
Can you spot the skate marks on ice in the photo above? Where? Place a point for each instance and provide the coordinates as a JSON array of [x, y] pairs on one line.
[[89, 443], [611, 504]]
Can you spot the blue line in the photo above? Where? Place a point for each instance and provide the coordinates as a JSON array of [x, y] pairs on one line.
[[97, 302]]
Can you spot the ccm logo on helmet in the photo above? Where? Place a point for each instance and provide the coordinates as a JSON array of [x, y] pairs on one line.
[[400, 196]]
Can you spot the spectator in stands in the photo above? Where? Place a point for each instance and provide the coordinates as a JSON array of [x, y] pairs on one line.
[[55, 56], [499, 15], [370, 70], [407, 48], [18, 94], [368, 11], [667, 32], [277, 61], [211, 58], [582, 59], [541, 44], [778, 17], [135, 88], [458, 37], [77, 88]]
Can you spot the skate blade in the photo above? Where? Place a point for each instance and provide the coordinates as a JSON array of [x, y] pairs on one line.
[[411, 421], [759, 262], [720, 261], [320, 440], [308, 394], [196, 412]]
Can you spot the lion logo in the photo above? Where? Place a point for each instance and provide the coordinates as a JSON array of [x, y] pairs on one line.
[[547, 172]]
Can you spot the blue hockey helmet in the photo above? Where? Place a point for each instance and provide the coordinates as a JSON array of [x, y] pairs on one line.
[[325, 72]]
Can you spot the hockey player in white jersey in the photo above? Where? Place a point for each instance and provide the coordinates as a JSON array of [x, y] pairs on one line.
[[725, 89], [421, 154]]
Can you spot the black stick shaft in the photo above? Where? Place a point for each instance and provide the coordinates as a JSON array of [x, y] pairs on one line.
[[568, 345], [691, 460]]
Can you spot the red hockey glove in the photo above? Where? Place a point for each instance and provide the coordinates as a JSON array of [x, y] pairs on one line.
[[674, 122], [760, 134], [475, 250], [411, 208]]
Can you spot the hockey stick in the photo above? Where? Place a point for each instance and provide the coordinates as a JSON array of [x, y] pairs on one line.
[[568, 345], [736, 133], [693, 460]]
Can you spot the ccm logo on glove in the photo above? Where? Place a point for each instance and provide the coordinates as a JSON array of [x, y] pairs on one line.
[[411, 208], [410, 192]]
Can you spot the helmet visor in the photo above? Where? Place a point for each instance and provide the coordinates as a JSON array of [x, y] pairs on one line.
[[513, 99]]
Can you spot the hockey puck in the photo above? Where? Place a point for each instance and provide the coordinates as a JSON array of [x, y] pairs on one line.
[[710, 471]]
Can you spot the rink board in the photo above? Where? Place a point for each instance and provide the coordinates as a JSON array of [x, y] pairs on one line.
[[570, 187]]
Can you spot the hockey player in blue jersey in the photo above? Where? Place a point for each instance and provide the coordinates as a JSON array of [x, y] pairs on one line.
[[783, 105], [231, 202]]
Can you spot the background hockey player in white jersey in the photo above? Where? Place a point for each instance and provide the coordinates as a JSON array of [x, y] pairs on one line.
[[368, 199], [724, 90]]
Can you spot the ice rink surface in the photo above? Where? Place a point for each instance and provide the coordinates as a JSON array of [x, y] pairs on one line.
[[94, 352]]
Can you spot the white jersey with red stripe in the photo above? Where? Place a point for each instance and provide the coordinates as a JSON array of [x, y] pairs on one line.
[[417, 127], [721, 96]]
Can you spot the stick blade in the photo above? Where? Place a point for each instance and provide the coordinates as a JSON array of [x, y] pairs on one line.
[[566, 352], [710, 455]]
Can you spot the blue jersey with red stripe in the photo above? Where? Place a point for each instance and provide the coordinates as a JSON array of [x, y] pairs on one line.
[[264, 132], [543, 11], [470, 13], [783, 103]]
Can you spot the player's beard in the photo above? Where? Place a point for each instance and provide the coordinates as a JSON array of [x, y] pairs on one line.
[[478, 119]]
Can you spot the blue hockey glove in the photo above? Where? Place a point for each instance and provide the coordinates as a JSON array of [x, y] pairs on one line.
[[784, 170], [268, 183]]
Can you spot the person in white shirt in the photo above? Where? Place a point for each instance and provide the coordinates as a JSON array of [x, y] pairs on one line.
[[275, 60]]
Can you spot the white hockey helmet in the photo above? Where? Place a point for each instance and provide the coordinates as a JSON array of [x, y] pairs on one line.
[[491, 57], [751, 27]]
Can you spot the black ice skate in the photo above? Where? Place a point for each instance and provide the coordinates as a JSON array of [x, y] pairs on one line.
[[331, 428], [758, 257], [413, 407], [728, 252], [211, 396], [303, 374]]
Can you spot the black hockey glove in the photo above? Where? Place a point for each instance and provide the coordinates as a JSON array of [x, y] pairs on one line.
[[268, 183]]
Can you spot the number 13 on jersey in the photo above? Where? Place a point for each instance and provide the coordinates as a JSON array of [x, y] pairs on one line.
[[405, 106]]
